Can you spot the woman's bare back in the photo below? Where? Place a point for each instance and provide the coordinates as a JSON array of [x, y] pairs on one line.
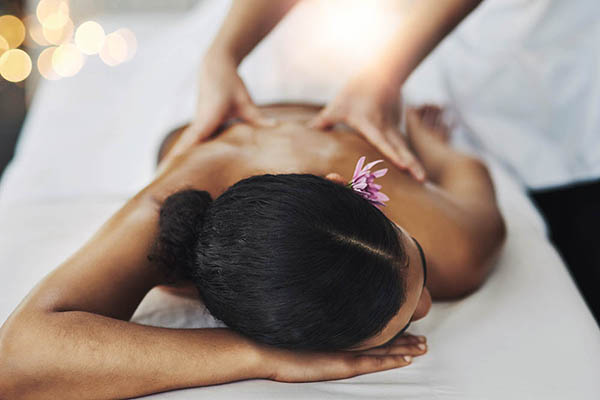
[[454, 216]]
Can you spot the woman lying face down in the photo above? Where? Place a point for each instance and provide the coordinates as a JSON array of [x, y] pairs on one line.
[[296, 261], [313, 280]]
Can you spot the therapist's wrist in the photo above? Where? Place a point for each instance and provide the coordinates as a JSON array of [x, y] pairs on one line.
[[379, 81], [223, 53]]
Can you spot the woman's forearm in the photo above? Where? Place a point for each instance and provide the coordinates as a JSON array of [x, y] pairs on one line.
[[246, 24], [81, 355], [70, 337], [426, 23]]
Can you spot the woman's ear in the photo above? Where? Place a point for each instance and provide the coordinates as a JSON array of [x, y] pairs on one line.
[[335, 177]]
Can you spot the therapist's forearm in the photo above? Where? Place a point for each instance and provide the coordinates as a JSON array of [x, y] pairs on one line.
[[76, 355], [246, 24], [426, 23]]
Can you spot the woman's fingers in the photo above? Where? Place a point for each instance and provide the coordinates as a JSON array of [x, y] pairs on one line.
[[411, 349], [407, 338], [366, 364], [290, 366]]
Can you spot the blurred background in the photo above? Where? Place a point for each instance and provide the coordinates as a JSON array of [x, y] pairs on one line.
[[50, 39]]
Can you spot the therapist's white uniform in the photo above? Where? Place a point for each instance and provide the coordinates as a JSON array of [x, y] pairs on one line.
[[524, 79], [525, 75]]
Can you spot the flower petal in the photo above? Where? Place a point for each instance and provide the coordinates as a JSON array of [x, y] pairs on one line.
[[372, 164], [363, 182], [382, 197], [359, 166], [379, 173]]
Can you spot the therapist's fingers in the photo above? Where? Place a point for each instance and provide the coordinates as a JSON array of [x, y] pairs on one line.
[[325, 119], [249, 112], [196, 132], [391, 145], [409, 161]]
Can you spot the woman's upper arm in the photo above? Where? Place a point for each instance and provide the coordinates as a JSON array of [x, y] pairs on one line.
[[111, 273], [459, 240]]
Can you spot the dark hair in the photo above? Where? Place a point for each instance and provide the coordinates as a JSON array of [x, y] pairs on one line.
[[291, 260]]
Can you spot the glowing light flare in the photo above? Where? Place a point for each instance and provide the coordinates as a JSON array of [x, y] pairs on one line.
[[44, 64], [55, 21], [60, 35], [3, 45], [114, 50], [15, 65], [130, 40], [89, 37], [36, 32], [12, 30], [341, 34], [67, 60], [52, 14]]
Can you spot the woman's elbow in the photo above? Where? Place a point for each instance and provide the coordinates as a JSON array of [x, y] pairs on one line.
[[8, 365], [470, 261], [17, 363], [481, 255]]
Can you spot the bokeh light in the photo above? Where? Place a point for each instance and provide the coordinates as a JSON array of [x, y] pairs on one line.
[[67, 60], [60, 35], [12, 30], [89, 37], [15, 65], [114, 50], [44, 64], [64, 49], [36, 33], [130, 40], [52, 14], [3, 45]]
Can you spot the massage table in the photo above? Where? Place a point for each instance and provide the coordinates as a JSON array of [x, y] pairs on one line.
[[90, 142]]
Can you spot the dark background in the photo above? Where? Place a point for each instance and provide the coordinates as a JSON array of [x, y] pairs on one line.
[[12, 100]]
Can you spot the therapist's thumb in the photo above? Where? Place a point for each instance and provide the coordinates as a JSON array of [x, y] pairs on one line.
[[198, 131], [252, 114], [323, 120]]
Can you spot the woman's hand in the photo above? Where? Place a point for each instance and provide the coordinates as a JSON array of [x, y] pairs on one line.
[[372, 108], [305, 366], [221, 95]]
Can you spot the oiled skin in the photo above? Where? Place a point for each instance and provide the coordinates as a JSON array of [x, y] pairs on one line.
[[459, 232], [71, 335]]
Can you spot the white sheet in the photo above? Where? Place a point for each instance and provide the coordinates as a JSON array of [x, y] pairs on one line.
[[89, 143]]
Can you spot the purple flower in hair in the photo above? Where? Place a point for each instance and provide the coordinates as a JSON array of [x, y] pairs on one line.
[[363, 182]]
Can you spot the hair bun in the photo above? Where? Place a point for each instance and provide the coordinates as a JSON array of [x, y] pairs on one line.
[[180, 224]]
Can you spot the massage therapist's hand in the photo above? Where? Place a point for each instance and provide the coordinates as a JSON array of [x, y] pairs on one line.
[[309, 366], [372, 108], [221, 95]]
